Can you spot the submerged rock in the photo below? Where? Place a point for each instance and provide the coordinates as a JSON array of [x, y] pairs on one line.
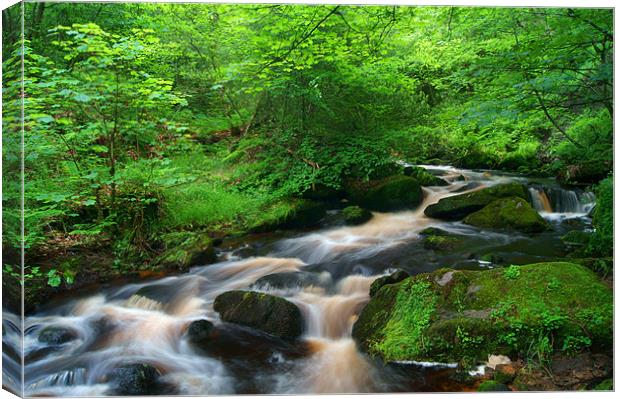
[[512, 213], [459, 206], [135, 379], [393, 278], [354, 215], [268, 313], [388, 194], [422, 320], [54, 335]]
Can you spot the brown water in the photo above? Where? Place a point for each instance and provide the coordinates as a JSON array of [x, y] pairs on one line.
[[121, 325]]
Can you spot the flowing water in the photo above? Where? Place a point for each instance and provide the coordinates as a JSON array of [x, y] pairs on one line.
[[146, 322]]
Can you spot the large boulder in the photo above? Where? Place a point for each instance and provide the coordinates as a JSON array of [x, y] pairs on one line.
[[465, 315], [354, 215], [512, 213], [268, 313], [388, 194], [459, 206]]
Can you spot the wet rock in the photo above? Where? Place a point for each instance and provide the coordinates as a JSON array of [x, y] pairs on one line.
[[511, 213], [354, 215], [268, 313], [54, 335], [388, 194], [423, 176], [445, 279], [434, 231], [304, 213], [290, 280], [185, 249], [393, 278], [200, 331], [134, 379], [441, 243], [576, 238], [421, 319], [459, 206], [492, 386]]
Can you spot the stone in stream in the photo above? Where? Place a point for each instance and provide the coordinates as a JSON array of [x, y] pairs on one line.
[[393, 278], [423, 320], [268, 313], [423, 176], [134, 379], [291, 280], [200, 331], [387, 194], [512, 213], [459, 206], [54, 335], [354, 215], [304, 213]]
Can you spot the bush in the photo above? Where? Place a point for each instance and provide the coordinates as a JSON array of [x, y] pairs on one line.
[[602, 241]]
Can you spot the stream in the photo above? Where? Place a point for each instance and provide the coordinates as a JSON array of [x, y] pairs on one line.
[[334, 267]]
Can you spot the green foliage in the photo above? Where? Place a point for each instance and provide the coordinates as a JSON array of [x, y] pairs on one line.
[[602, 240], [512, 272]]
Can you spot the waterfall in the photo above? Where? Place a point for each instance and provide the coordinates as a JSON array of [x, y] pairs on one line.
[[547, 200]]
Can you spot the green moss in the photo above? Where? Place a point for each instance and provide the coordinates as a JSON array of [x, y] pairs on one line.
[[576, 237], [441, 243], [606, 385], [391, 193], [184, 249], [355, 215], [423, 177], [459, 206], [492, 386], [513, 213], [466, 315], [415, 304]]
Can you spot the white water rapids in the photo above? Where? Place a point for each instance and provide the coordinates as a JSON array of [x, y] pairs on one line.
[[117, 327]]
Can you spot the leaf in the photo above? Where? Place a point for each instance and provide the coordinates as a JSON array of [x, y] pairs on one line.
[[81, 97]]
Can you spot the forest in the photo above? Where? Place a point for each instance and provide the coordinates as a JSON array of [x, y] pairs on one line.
[[158, 138]]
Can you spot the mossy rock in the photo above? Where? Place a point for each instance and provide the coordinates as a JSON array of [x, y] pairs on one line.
[[320, 192], [388, 194], [576, 238], [268, 313], [185, 249], [492, 386], [423, 177], [441, 243], [459, 206], [476, 313], [511, 213], [393, 278], [303, 214], [354, 215]]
